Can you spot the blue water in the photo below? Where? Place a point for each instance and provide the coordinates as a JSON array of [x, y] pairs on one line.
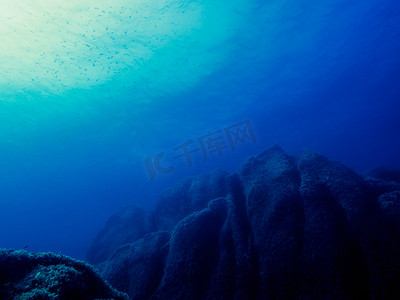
[[89, 91]]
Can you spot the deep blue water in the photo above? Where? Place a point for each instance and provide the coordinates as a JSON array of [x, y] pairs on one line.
[[88, 91]]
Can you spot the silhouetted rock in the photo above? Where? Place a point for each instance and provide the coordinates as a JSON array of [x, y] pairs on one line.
[[193, 254], [335, 211], [189, 195], [48, 276], [279, 228], [271, 182], [137, 268], [378, 187], [126, 226], [385, 173], [390, 205]]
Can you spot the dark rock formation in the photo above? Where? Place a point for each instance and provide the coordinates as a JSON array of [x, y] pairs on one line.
[[48, 276], [335, 210], [274, 210], [279, 228], [138, 268], [129, 224], [189, 195], [385, 173], [193, 254]]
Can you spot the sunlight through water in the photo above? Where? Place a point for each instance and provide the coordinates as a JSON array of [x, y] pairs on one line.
[[51, 47]]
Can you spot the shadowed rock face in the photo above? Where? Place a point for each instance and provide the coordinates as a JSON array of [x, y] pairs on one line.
[[274, 210], [190, 195], [138, 267], [129, 224], [49, 276], [279, 228], [385, 173]]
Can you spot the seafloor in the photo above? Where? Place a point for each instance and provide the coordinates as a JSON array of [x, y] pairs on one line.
[[281, 227]]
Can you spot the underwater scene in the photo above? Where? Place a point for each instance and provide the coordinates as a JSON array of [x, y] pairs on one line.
[[207, 149]]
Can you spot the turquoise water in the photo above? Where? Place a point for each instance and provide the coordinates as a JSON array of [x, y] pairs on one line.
[[91, 90]]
